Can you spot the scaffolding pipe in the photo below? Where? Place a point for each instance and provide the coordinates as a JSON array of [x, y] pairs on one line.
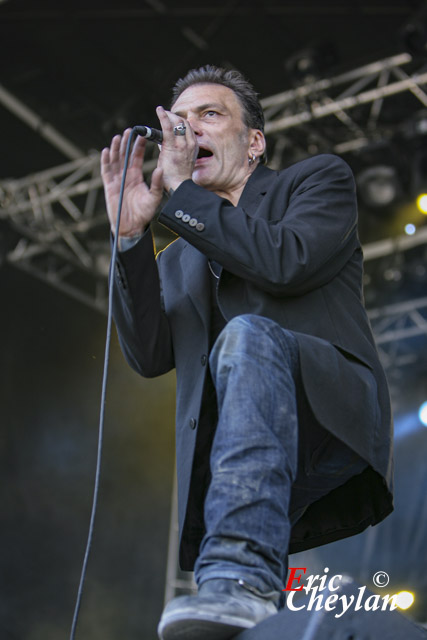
[[44, 129]]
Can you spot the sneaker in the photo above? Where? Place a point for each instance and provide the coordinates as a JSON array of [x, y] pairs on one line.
[[222, 608]]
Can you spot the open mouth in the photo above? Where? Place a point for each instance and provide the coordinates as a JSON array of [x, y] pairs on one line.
[[204, 153]]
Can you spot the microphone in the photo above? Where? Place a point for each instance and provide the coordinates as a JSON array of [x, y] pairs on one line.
[[155, 135]]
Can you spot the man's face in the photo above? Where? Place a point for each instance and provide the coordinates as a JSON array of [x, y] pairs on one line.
[[216, 117]]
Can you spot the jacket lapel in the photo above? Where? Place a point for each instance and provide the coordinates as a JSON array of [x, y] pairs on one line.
[[255, 188]]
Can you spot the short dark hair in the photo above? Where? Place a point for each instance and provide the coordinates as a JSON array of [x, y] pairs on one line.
[[253, 116]]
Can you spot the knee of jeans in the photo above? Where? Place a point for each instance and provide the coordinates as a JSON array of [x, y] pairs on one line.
[[226, 341], [243, 333]]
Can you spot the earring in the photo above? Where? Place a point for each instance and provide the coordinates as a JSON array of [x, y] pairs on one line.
[[252, 159]]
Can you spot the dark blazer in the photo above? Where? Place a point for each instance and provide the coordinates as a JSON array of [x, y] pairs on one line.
[[290, 252]]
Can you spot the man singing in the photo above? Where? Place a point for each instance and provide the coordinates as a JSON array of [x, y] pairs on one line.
[[283, 425]]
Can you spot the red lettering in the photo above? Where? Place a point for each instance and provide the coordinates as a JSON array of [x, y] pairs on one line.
[[293, 577]]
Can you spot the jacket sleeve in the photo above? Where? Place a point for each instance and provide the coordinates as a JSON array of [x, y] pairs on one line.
[[299, 237], [138, 312]]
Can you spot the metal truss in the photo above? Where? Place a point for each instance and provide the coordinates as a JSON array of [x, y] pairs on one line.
[[342, 114], [394, 326], [400, 329], [61, 227]]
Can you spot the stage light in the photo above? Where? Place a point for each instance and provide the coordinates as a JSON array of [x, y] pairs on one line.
[[410, 229], [422, 203], [379, 186], [404, 599], [422, 413]]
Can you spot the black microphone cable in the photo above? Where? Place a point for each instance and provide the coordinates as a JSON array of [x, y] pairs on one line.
[[103, 393]]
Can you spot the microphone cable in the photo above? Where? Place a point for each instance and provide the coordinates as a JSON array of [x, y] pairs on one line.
[[103, 393]]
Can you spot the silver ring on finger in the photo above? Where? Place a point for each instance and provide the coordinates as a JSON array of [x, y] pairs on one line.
[[180, 129]]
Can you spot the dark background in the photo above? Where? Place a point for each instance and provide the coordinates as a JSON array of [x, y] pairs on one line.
[[90, 69]]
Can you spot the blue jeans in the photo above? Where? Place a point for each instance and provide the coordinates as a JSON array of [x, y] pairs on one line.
[[254, 458]]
